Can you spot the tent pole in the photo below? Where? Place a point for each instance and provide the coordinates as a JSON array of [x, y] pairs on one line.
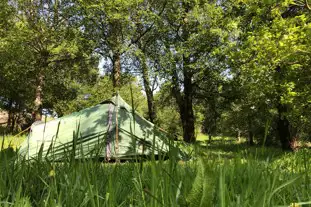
[[117, 130]]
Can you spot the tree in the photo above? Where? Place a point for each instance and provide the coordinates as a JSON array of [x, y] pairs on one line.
[[112, 25], [147, 47], [56, 45], [195, 32], [15, 61], [273, 54]]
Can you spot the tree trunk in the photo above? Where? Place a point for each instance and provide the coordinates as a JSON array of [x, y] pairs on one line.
[[18, 118], [186, 106], [188, 117], [250, 133], [10, 114], [238, 136], [250, 138], [210, 138], [145, 73], [13, 122], [116, 71], [38, 101], [184, 102], [212, 113], [149, 93], [283, 125], [188, 123], [188, 127], [283, 128]]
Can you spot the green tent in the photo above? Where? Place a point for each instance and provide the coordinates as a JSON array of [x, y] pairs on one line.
[[110, 130]]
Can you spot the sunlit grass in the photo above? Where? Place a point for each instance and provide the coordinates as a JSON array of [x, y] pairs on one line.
[[201, 137], [11, 141]]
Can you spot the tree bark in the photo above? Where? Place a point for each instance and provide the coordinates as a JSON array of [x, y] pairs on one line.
[[188, 122], [38, 99], [184, 102], [149, 93], [116, 71]]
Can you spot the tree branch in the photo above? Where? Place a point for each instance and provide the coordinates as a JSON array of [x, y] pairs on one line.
[[148, 29]]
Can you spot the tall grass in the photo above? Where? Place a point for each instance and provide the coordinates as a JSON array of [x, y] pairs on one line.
[[219, 175]]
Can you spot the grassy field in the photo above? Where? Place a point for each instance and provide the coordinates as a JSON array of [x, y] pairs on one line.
[[223, 173]]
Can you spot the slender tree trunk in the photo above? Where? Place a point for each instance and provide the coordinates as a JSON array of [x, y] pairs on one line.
[[210, 138], [283, 128], [116, 71], [250, 133], [145, 72], [13, 122], [38, 99], [238, 136], [10, 114], [250, 138], [283, 125], [149, 94], [18, 117], [214, 115]]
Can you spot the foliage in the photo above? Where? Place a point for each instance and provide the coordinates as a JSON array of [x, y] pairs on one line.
[[272, 58], [90, 95], [41, 54], [167, 112]]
